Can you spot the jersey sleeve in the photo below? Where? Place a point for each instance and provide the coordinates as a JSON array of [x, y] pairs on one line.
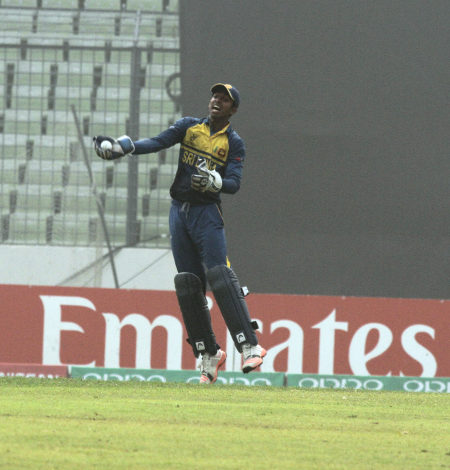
[[171, 136], [231, 181]]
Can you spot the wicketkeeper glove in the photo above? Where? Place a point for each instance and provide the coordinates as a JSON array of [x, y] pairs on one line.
[[119, 147], [206, 180]]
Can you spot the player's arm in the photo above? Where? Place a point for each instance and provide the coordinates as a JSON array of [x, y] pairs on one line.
[[231, 180], [125, 146], [171, 136]]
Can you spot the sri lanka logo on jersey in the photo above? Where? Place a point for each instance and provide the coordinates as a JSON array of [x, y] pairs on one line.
[[193, 159]]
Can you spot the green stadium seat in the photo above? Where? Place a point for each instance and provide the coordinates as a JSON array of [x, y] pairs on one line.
[[19, 3], [78, 199], [155, 228], [166, 173], [69, 230], [43, 172], [12, 171], [30, 197], [72, 4], [155, 203], [79, 174], [28, 227]]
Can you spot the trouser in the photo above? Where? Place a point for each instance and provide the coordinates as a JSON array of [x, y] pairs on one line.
[[199, 250], [197, 238]]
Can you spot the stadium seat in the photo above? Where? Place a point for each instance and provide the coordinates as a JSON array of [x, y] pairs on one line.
[[28, 227], [155, 229], [30, 197]]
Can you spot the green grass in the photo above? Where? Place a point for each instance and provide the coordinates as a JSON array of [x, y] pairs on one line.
[[74, 424]]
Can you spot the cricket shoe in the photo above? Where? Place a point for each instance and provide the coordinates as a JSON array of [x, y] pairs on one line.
[[252, 357], [210, 366]]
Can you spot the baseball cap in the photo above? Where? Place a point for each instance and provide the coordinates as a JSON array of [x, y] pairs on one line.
[[230, 89]]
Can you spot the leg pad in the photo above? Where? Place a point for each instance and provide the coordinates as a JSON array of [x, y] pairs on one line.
[[228, 293], [196, 314]]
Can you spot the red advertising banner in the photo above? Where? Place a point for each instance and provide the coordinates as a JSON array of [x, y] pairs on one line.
[[56, 326]]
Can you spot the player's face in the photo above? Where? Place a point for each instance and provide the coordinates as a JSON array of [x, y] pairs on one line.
[[221, 106]]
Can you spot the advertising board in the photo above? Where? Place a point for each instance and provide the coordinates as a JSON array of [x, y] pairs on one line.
[[302, 334]]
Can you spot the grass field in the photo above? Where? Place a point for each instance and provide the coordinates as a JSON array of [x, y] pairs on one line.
[[75, 424]]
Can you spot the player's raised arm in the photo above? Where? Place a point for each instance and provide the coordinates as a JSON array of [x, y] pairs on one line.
[[109, 148]]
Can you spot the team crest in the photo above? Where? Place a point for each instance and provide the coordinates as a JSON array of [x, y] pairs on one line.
[[220, 152]]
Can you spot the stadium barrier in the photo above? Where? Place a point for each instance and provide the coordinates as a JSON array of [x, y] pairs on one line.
[[273, 379], [260, 379]]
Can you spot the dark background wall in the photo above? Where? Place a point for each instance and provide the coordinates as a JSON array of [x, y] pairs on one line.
[[345, 114]]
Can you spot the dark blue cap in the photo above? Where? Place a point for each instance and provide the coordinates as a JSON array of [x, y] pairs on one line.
[[230, 89]]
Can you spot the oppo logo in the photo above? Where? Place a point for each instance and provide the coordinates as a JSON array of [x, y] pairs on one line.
[[431, 386], [125, 377], [348, 382], [235, 380]]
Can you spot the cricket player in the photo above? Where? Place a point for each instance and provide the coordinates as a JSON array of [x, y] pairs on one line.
[[210, 162]]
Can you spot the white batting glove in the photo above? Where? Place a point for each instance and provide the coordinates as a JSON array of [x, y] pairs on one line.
[[206, 180]]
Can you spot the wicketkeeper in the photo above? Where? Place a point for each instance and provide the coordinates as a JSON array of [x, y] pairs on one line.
[[210, 162]]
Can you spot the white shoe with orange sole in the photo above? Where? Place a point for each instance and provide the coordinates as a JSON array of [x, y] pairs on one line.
[[210, 366], [252, 357]]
